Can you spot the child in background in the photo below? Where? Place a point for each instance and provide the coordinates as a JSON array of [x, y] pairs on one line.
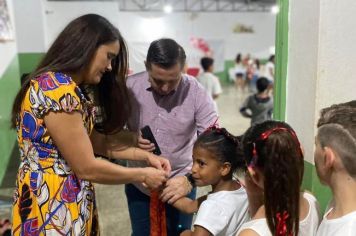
[[335, 162], [215, 159], [259, 106], [209, 81], [239, 73], [275, 165]]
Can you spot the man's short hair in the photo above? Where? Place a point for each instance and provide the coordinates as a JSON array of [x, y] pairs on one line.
[[165, 53], [262, 84], [206, 62], [337, 130]]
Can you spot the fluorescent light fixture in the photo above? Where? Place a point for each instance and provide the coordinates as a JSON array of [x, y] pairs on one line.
[[275, 10], [167, 9]]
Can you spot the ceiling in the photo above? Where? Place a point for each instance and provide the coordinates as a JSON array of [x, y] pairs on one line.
[[192, 5]]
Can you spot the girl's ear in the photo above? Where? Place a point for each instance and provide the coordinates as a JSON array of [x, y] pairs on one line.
[[225, 169]]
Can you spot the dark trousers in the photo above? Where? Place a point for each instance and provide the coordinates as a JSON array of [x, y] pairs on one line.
[[139, 209]]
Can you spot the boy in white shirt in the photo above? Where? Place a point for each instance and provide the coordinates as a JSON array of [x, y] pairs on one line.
[[335, 162], [209, 81]]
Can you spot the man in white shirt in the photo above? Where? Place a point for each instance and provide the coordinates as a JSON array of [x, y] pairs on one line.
[[335, 161], [209, 81]]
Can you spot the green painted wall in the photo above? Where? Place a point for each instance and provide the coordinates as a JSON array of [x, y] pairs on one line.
[[311, 183], [9, 85], [29, 61], [281, 59]]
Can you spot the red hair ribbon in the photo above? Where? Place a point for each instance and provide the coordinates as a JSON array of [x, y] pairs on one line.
[[213, 126], [265, 136], [281, 228]]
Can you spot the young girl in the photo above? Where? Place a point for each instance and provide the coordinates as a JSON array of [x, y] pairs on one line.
[[224, 210], [275, 165]]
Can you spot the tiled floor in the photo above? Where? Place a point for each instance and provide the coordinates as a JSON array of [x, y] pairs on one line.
[[112, 205]]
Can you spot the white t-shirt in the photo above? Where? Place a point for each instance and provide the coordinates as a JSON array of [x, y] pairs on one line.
[[211, 84], [342, 226], [267, 72], [307, 227], [223, 212]]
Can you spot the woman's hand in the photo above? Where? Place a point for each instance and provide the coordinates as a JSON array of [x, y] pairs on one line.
[[154, 178], [158, 162]]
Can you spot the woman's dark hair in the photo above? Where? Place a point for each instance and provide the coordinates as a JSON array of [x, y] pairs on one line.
[[224, 146], [72, 52], [165, 53], [274, 149]]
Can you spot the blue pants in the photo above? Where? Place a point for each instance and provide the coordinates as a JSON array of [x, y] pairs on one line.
[[139, 209]]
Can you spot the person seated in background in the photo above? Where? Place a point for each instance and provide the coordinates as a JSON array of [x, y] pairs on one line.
[[239, 72], [209, 81], [335, 162], [259, 106]]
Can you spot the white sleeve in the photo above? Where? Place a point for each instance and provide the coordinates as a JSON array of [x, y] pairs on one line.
[[212, 217]]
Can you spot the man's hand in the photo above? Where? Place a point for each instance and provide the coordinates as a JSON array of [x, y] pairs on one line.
[[145, 144], [160, 163], [153, 178], [176, 188]]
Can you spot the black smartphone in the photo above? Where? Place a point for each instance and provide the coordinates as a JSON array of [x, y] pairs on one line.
[[147, 134]]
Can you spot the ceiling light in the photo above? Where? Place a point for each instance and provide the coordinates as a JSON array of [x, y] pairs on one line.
[[275, 10], [167, 8]]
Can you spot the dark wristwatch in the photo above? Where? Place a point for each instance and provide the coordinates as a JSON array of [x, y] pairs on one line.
[[190, 179]]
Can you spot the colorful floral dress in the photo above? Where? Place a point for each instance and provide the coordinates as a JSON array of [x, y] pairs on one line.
[[49, 198]]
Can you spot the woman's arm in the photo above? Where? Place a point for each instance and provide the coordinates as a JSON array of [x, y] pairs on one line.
[[70, 136], [110, 146]]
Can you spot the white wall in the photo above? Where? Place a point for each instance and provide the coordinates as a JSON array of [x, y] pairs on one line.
[[302, 70], [29, 19], [139, 29], [337, 52], [8, 49], [321, 62]]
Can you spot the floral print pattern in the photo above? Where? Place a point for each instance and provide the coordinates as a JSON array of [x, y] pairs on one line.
[[49, 198]]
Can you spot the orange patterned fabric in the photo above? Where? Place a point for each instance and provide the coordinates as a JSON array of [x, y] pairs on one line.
[[158, 226]]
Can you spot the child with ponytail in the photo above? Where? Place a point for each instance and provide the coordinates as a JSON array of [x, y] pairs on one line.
[[275, 166], [216, 157]]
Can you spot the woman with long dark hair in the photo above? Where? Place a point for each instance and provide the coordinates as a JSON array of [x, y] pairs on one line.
[[67, 110], [275, 167]]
